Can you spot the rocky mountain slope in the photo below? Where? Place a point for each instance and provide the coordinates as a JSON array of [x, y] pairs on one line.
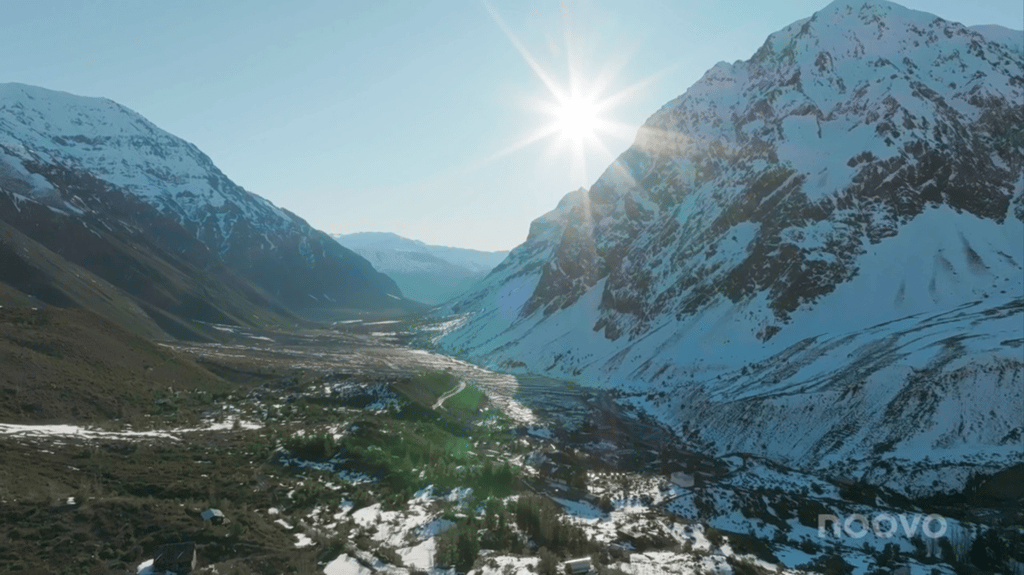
[[104, 188], [834, 224], [426, 273]]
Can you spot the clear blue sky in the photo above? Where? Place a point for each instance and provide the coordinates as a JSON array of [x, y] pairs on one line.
[[397, 116]]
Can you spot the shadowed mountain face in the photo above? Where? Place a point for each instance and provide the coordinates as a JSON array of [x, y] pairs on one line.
[[864, 166], [71, 365], [106, 190], [426, 273]]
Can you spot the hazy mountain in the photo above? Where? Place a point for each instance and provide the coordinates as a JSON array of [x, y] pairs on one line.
[[104, 189], [426, 273], [814, 254]]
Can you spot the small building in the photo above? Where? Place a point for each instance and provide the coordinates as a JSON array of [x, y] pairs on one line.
[[578, 566], [179, 558], [214, 516], [681, 478]]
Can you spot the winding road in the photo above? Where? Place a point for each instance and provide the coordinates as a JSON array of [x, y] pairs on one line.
[[441, 400]]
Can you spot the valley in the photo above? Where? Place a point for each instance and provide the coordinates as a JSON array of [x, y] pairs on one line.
[[779, 333], [330, 454]]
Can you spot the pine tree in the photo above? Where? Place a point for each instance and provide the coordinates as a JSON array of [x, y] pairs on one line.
[[548, 564]]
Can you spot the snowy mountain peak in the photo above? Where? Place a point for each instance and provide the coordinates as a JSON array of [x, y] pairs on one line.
[[552, 224], [850, 53], [70, 151], [382, 239], [427, 273], [1002, 35], [865, 165], [121, 147], [66, 109]]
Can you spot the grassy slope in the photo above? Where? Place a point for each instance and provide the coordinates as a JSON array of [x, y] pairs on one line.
[[128, 263], [70, 365], [29, 268], [424, 390], [133, 497]]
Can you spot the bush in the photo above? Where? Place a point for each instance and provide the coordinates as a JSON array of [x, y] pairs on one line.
[[714, 536], [548, 564], [745, 567], [750, 545], [319, 447], [458, 547], [390, 556], [828, 565]]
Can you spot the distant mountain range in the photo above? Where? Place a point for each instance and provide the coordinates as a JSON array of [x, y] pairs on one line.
[[101, 209], [426, 273], [814, 255]]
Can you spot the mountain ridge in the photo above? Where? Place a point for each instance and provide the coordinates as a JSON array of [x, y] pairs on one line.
[[90, 159], [796, 194], [428, 273]]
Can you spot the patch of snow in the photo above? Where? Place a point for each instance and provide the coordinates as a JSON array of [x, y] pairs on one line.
[[346, 565]]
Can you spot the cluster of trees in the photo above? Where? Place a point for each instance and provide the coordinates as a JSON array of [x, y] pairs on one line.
[[530, 523], [496, 481], [408, 456], [318, 447], [459, 546], [542, 521]]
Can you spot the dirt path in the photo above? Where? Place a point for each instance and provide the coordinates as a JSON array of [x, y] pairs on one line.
[[441, 400]]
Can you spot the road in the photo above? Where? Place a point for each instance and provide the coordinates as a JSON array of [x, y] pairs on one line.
[[440, 400]]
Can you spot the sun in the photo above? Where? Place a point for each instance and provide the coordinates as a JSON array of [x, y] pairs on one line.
[[579, 107], [577, 118]]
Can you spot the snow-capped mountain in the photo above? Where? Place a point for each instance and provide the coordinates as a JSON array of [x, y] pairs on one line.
[[817, 233], [424, 272], [93, 158]]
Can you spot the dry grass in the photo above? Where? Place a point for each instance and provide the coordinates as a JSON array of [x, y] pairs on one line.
[[70, 365]]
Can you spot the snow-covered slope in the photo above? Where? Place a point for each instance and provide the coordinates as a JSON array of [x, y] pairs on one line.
[[863, 167], [49, 138], [1003, 35], [427, 273]]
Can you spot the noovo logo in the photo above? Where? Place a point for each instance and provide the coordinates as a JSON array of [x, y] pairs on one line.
[[882, 525]]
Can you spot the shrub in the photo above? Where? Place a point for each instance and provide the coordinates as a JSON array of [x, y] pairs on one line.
[[458, 547], [319, 447], [745, 567], [714, 536], [548, 564]]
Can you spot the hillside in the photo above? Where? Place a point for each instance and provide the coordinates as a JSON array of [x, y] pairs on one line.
[[73, 366]]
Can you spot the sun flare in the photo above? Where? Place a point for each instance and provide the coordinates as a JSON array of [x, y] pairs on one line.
[[576, 118], [580, 107]]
